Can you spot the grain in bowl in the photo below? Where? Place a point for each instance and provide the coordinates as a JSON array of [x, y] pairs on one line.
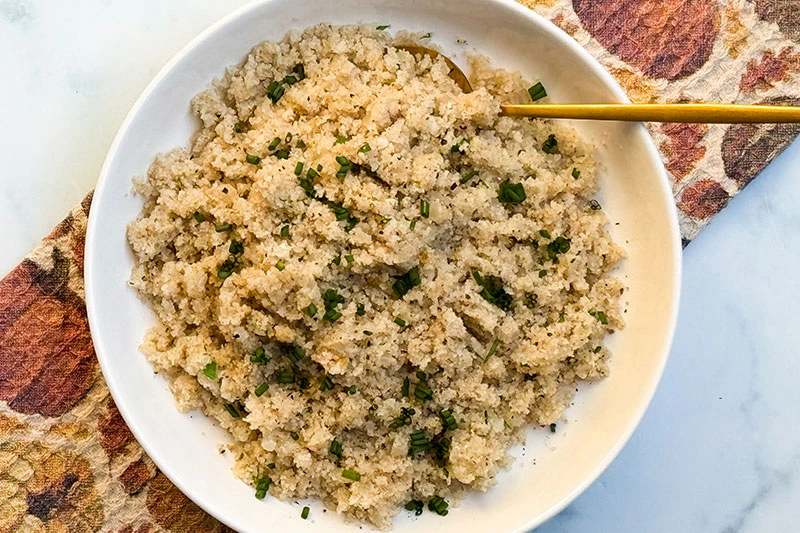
[[371, 280]]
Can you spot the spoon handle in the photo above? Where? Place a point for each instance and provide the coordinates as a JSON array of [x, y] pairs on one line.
[[707, 113]]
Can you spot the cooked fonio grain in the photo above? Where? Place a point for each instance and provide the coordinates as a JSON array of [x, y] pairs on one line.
[[369, 278]]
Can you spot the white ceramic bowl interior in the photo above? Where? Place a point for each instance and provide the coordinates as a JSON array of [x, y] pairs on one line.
[[552, 469]]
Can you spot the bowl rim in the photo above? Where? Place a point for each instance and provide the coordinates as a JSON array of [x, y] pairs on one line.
[[553, 32]]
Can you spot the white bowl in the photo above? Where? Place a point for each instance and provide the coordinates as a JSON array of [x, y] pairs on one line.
[[552, 469]]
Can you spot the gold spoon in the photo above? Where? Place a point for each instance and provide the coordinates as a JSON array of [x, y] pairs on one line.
[[707, 113]]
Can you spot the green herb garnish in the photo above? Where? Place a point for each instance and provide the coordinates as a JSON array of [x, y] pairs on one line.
[[457, 147], [239, 127], [336, 448], [294, 352], [576, 173], [261, 389], [285, 375], [492, 290], [281, 154], [311, 310], [537, 92], [259, 356], [220, 228], [210, 370], [557, 246], [274, 144], [415, 505], [364, 148], [542, 273], [423, 392], [438, 505], [326, 384], [552, 428], [304, 512], [294, 435], [468, 176], [360, 311], [252, 159], [544, 233], [492, 350], [275, 91], [236, 248], [383, 27], [404, 419], [198, 217], [511, 193], [232, 410], [550, 144], [424, 208], [400, 322], [406, 282], [331, 298], [419, 443], [601, 316], [404, 390], [280, 265], [352, 475], [262, 486], [298, 168], [594, 205], [448, 420]]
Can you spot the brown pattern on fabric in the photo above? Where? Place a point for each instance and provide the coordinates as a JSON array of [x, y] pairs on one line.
[[784, 13], [765, 72], [69, 463], [683, 147], [664, 38]]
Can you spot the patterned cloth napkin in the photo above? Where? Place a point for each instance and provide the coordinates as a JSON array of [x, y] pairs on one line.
[[67, 460]]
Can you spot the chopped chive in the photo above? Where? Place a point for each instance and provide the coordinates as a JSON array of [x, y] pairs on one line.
[[326, 384], [492, 291], [304, 512], [301, 143], [423, 392], [294, 435], [601, 316], [339, 211], [400, 322], [300, 71], [210, 370], [364, 148], [594, 205], [542, 273], [406, 282], [349, 258], [367, 332], [383, 27], [457, 147], [424, 208], [332, 315], [422, 376], [271, 466], [511, 193], [239, 127], [259, 356], [438, 505], [597, 349], [294, 353], [448, 420], [341, 139], [336, 448], [352, 475], [252, 159], [319, 167], [415, 505], [576, 173], [537, 92], [550, 144], [232, 410], [298, 168], [262, 486], [280, 265], [561, 317], [303, 383], [261, 389], [275, 91], [281, 154], [552, 428], [360, 311], [351, 223], [236, 248], [219, 228], [468, 176], [337, 260], [426, 36], [344, 166], [419, 443], [559, 245], [285, 375], [285, 231], [492, 350], [351, 390], [544, 233], [404, 390], [413, 223], [311, 310], [274, 144], [198, 217]]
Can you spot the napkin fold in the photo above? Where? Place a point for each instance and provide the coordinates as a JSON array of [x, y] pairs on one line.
[[68, 462]]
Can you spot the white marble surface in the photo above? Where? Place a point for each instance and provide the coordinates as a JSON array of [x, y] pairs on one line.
[[719, 449]]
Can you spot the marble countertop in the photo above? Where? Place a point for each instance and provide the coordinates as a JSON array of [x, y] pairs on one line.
[[719, 448]]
